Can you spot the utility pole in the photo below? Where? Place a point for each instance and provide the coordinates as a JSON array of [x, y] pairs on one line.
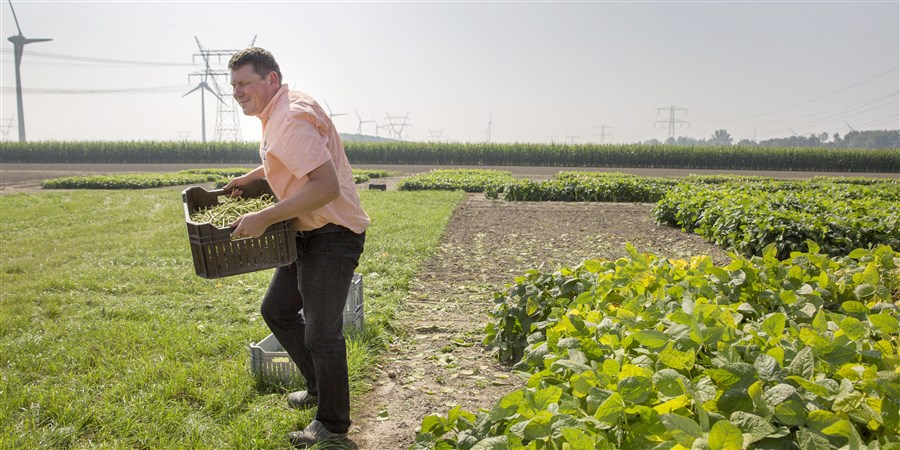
[[603, 133], [19, 42], [490, 126], [672, 120]]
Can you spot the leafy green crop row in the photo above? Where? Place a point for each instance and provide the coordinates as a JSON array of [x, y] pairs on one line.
[[746, 217], [519, 154], [645, 353], [468, 180], [152, 180]]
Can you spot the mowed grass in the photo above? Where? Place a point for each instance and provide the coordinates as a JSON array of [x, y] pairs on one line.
[[109, 340]]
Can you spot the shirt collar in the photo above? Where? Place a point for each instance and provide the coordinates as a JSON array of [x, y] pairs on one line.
[[271, 106]]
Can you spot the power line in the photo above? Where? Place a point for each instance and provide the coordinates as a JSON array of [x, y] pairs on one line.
[[91, 59], [56, 91], [819, 97]]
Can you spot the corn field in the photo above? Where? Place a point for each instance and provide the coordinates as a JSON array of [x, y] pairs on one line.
[[555, 155]]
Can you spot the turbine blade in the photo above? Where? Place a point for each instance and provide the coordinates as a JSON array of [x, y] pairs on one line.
[[14, 17], [192, 90]]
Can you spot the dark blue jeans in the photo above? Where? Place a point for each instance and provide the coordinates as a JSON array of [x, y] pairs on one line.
[[318, 282]]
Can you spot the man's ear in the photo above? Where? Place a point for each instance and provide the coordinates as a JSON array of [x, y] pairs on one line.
[[273, 78]]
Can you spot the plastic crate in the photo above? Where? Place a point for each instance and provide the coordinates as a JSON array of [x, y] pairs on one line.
[[217, 255], [268, 358]]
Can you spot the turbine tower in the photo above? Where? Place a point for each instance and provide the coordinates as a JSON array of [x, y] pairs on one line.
[[490, 126], [19, 42], [361, 122]]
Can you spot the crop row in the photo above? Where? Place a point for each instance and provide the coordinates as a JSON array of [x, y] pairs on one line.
[[746, 217], [468, 180], [646, 352], [518, 154], [151, 180]]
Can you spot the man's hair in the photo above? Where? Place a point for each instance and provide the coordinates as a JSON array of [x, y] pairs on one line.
[[261, 59]]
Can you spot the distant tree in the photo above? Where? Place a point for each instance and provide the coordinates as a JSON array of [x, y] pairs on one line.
[[721, 137], [651, 142], [836, 140], [670, 141], [872, 139], [746, 143]]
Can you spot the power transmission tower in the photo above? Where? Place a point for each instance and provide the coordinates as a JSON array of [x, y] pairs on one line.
[[672, 120], [19, 41], [603, 134], [435, 135], [571, 138], [396, 124], [6, 127]]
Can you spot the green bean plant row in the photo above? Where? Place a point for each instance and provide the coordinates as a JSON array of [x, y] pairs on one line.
[[653, 353], [468, 180], [219, 176], [478, 154], [747, 217]]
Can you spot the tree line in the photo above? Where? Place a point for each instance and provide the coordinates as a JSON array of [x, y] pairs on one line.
[[867, 139]]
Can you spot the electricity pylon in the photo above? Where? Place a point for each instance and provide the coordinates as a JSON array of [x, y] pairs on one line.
[[672, 120]]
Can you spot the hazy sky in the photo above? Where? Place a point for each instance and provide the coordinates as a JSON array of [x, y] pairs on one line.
[[541, 71]]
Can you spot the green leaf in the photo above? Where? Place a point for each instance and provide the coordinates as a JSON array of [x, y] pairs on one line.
[[791, 413], [864, 291], [652, 339], [492, 443], [635, 389], [803, 364], [812, 246], [853, 328], [754, 427], [778, 393], [538, 427], [547, 396], [815, 388], [725, 436], [773, 325], [578, 439], [610, 411], [508, 405], [852, 307], [666, 382], [767, 367], [885, 323], [683, 429], [677, 359], [435, 425]]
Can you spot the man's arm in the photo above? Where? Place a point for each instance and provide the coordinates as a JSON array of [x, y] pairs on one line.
[[321, 188]]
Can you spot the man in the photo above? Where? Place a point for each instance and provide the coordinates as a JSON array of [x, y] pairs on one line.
[[304, 161]]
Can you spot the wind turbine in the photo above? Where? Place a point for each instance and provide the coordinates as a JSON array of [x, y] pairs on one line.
[[331, 114], [203, 86], [489, 133], [19, 42], [361, 122]]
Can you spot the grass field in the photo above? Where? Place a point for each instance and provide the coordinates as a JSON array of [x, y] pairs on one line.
[[109, 340]]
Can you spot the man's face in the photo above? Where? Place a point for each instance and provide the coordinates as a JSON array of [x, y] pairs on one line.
[[252, 91]]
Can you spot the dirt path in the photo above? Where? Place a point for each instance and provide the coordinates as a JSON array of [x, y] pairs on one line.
[[487, 243]]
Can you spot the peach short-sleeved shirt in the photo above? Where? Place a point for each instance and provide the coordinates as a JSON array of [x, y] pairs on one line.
[[298, 137]]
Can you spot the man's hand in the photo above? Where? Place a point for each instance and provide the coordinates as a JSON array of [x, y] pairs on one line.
[[235, 184], [251, 225]]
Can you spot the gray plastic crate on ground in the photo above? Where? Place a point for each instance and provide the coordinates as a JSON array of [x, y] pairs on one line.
[[268, 358]]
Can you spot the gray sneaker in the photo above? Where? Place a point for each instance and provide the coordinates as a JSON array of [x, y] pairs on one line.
[[315, 433], [302, 400]]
